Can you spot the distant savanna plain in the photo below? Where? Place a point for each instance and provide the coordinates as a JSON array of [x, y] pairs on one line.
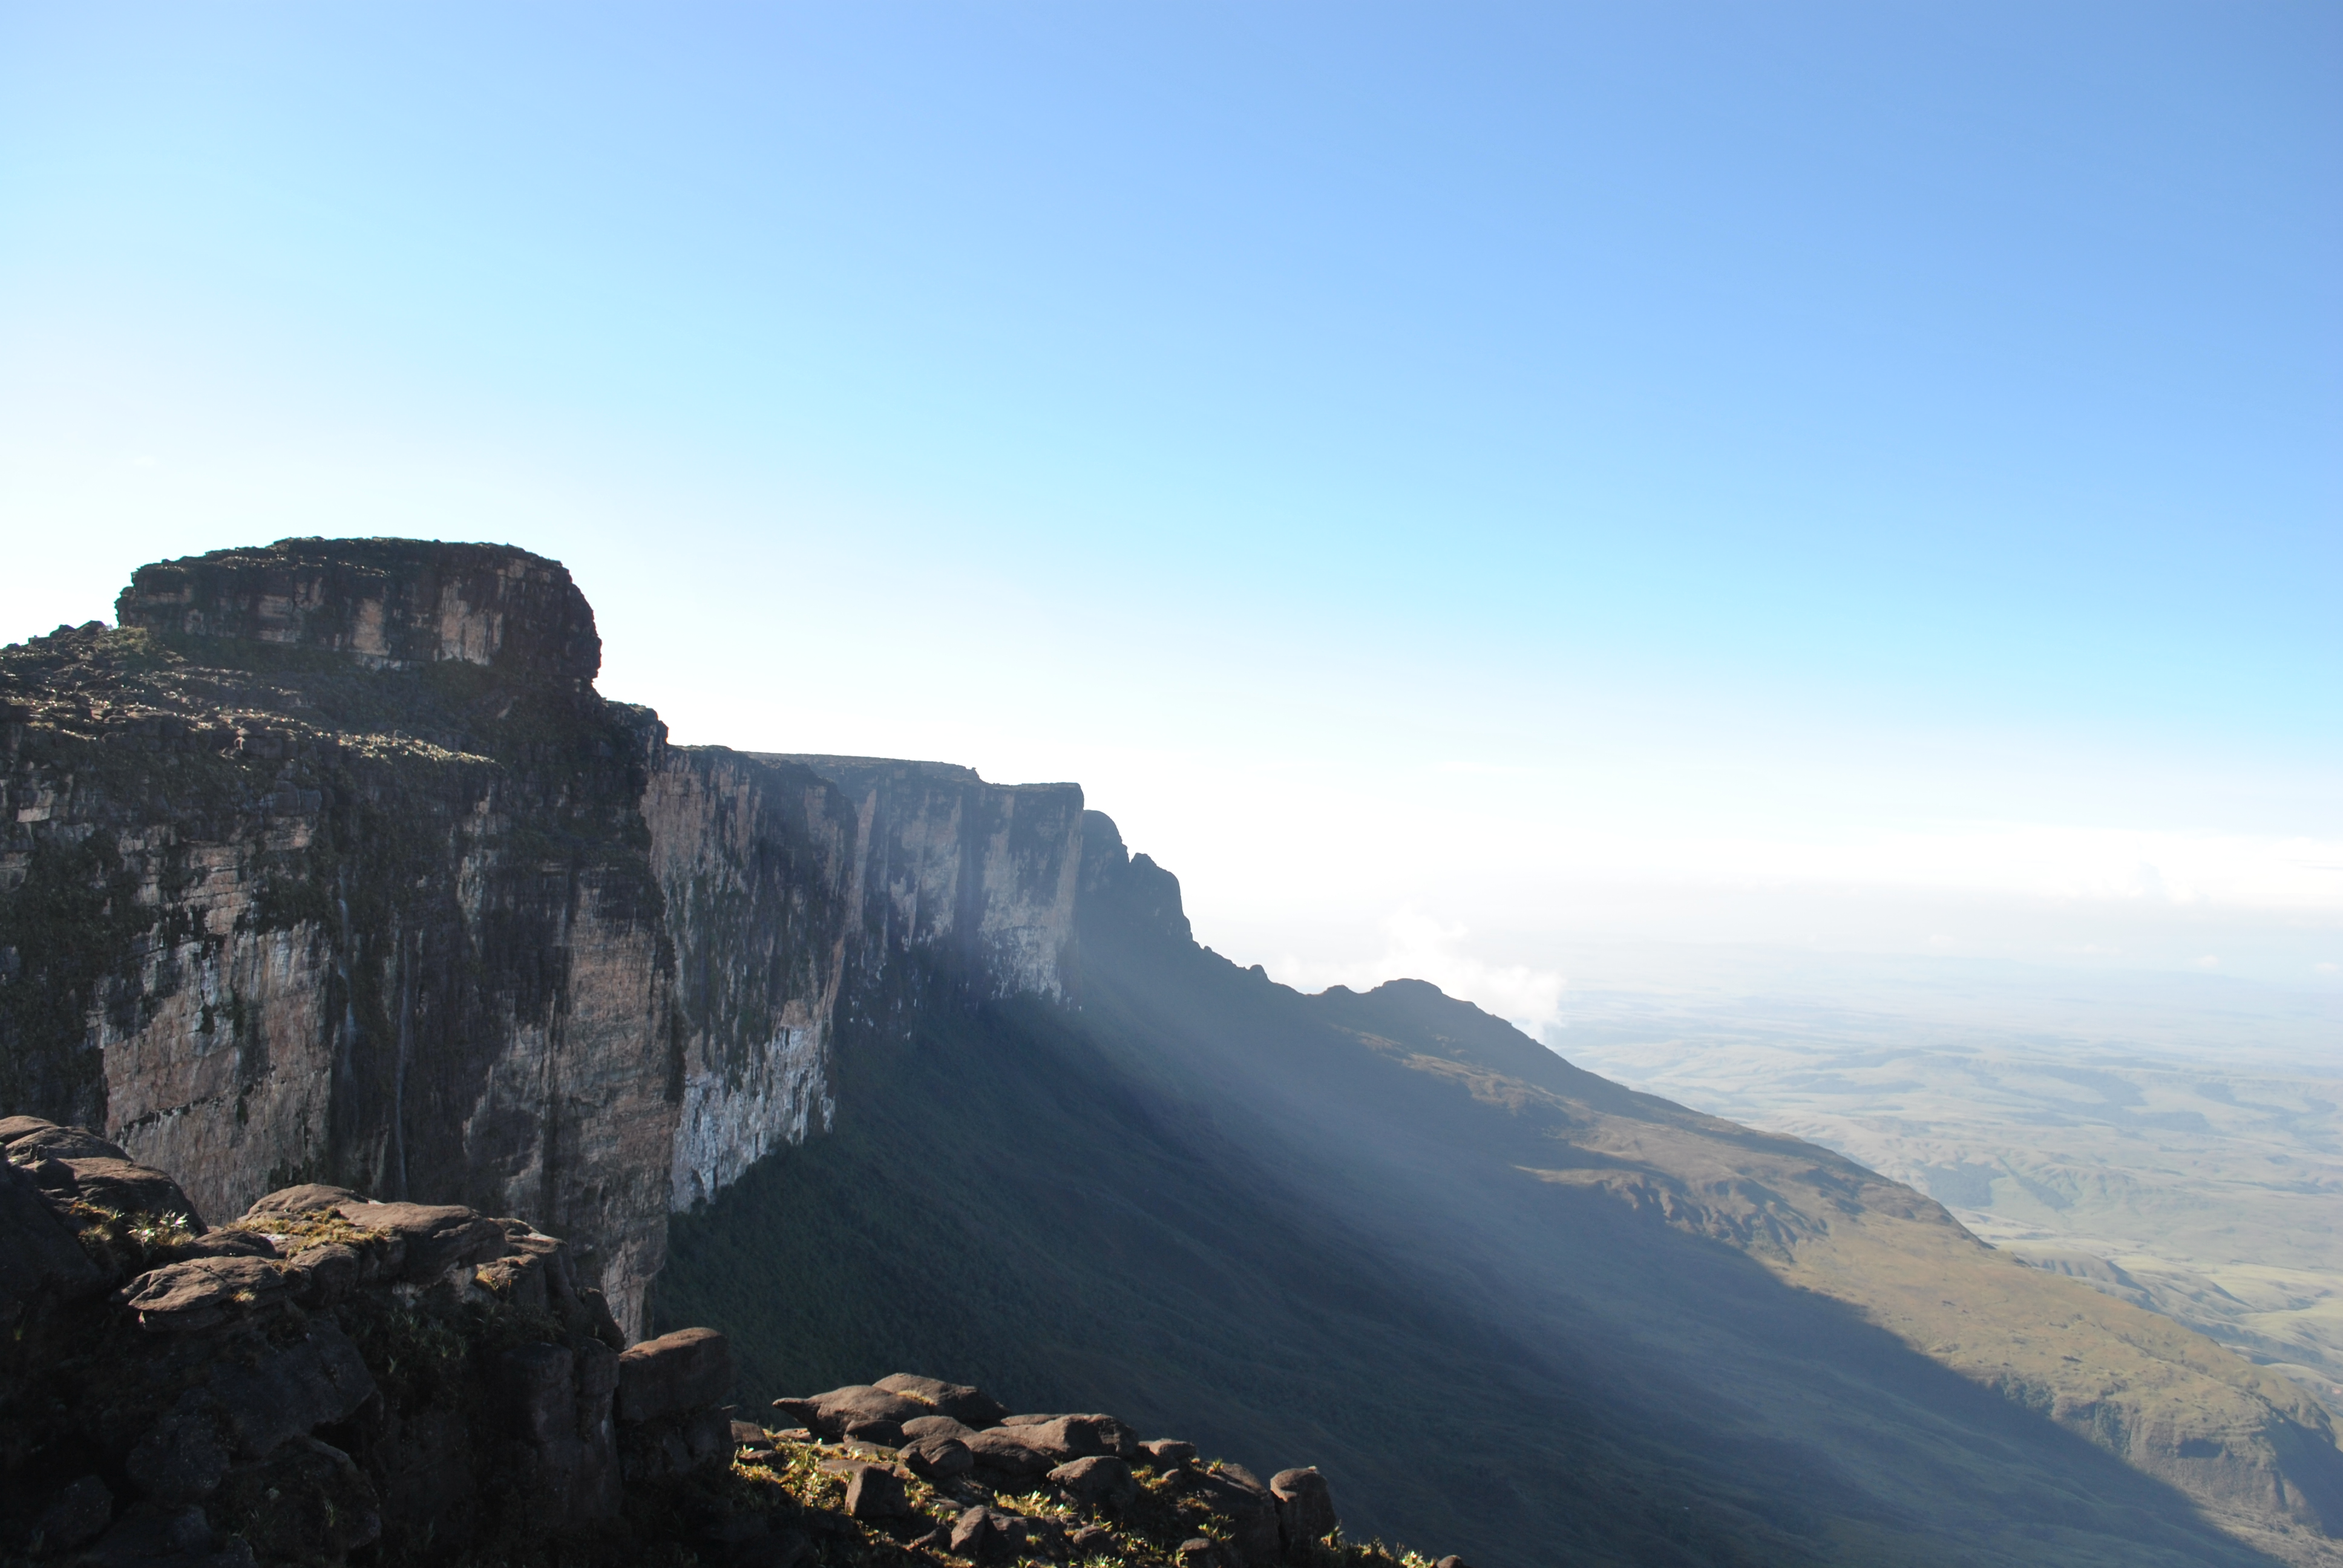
[[2174, 1140]]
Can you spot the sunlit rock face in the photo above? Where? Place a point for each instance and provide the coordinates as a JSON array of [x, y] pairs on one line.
[[797, 884], [330, 865], [980, 876], [388, 603], [757, 863]]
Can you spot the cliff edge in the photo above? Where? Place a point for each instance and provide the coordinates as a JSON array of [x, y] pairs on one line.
[[329, 864]]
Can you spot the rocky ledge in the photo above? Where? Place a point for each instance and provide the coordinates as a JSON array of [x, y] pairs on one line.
[[327, 1379]]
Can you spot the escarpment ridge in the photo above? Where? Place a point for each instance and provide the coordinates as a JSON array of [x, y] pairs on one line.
[[329, 863], [327, 870]]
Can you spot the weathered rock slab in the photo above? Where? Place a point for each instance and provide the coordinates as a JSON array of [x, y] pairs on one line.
[[201, 1293], [938, 1457], [1101, 1480], [963, 1404], [306, 1199], [25, 1139], [863, 1411], [876, 1492], [121, 1185], [1305, 1508], [1001, 1449], [1237, 1495], [434, 1237], [674, 1372], [1065, 1437]]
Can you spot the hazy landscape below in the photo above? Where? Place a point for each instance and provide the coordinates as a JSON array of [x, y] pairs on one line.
[[2175, 1140]]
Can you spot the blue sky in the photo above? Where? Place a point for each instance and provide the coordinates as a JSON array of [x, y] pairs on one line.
[[1454, 479]]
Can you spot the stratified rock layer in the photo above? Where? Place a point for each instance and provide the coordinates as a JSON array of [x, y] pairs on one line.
[[394, 604], [330, 865]]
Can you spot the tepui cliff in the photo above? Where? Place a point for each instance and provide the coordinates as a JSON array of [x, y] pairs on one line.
[[327, 863], [340, 912]]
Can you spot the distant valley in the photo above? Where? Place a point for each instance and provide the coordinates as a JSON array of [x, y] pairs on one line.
[[2173, 1141]]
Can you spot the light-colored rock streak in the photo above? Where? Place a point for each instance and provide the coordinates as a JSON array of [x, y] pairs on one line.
[[782, 875], [732, 1119], [983, 875], [753, 862]]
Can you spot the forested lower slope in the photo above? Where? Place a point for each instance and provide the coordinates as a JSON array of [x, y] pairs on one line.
[[1504, 1304]]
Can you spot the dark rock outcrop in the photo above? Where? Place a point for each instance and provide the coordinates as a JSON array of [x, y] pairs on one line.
[[394, 1382], [324, 1374], [688, 1369], [389, 604], [40, 1258], [330, 866], [1305, 1509], [1101, 1480], [1093, 1463]]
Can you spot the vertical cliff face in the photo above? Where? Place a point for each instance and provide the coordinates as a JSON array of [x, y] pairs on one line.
[[979, 877], [330, 865], [394, 604], [796, 884], [756, 860]]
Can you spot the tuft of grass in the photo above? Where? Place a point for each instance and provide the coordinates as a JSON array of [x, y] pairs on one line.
[[125, 1244]]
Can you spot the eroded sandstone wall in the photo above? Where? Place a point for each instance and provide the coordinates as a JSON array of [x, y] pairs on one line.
[[755, 861], [330, 865], [372, 907], [979, 877], [387, 603], [794, 884]]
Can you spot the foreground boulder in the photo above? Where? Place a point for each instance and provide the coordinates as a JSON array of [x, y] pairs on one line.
[[962, 1403], [860, 1411], [41, 1258], [1101, 1480], [687, 1370], [319, 1375], [1244, 1509], [83, 1172], [326, 1379], [1306, 1508], [1105, 1490]]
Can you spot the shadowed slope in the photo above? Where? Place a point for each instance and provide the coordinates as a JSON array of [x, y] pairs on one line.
[[1389, 1236]]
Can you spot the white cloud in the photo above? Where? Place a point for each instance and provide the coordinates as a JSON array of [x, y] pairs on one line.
[[1419, 947]]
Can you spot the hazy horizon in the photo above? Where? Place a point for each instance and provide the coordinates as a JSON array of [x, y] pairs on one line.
[[1461, 488]]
